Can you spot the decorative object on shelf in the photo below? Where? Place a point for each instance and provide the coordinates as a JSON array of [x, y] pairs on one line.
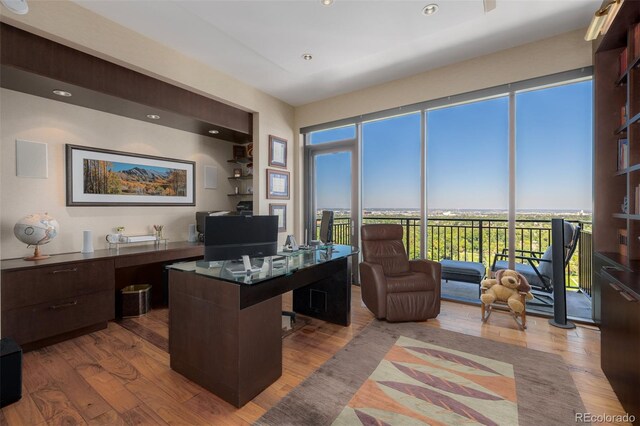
[[239, 151], [278, 184], [625, 205], [623, 154], [250, 169], [277, 152], [35, 230], [623, 242], [250, 150], [236, 190], [113, 238], [158, 230], [100, 177], [279, 210], [249, 190], [237, 173], [87, 242]]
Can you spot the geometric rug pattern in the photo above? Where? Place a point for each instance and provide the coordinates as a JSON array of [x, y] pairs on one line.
[[423, 383]]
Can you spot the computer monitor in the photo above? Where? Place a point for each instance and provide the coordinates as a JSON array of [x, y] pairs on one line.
[[240, 237], [326, 227]]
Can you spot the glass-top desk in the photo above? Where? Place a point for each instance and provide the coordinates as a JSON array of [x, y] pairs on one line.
[[283, 263], [225, 328]]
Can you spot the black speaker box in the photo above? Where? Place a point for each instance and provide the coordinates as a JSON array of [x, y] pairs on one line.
[[10, 371]]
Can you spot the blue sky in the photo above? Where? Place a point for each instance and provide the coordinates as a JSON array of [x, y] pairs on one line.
[[467, 155]]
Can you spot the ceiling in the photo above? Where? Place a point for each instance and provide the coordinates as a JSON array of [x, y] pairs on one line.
[[354, 43]]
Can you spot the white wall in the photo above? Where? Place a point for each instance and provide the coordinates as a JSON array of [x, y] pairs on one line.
[[72, 25], [32, 118]]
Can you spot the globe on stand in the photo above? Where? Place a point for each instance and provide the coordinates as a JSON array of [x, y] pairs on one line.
[[35, 230]]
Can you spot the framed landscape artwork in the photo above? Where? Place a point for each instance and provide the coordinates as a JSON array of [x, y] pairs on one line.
[[279, 210], [100, 177], [277, 152], [277, 184]]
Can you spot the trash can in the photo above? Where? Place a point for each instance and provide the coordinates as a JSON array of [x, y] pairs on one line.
[[10, 371], [136, 300]]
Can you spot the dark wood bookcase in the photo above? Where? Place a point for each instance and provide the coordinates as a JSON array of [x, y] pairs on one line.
[[616, 232]]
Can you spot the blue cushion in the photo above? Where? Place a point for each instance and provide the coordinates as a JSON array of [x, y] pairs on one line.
[[528, 272], [461, 267]]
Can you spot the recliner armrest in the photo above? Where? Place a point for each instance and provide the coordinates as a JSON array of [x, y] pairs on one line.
[[373, 285], [429, 267]]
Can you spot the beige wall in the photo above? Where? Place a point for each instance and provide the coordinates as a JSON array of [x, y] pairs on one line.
[[36, 119], [556, 54], [75, 26]]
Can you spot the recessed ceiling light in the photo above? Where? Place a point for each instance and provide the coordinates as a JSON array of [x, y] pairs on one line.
[[153, 116], [214, 132], [326, 2], [61, 93], [430, 9], [16, 6], [307, 56]]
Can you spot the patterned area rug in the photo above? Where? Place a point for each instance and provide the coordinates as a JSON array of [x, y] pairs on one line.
[[409, 374]]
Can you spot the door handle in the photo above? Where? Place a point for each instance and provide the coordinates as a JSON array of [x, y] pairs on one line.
[[59, 271]]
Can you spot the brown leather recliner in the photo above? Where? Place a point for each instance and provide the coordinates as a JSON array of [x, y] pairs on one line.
[[394, 288]]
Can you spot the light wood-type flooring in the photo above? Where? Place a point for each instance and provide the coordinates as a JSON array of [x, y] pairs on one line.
[[114, 377]]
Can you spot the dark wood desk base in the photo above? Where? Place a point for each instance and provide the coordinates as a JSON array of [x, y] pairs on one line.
[[228, 337]]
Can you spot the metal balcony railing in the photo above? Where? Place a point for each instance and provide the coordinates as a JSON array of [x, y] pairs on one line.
[[477, 240]]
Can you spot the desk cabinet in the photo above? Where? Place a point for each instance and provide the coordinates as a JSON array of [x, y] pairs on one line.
[[43, 304]]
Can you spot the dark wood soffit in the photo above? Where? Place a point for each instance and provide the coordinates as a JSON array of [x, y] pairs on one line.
[[32, 64]]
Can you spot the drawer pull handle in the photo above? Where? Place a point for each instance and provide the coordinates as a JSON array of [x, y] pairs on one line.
[[64, 305], [59, 271], [611, 268], [628, 297], [615, 287]]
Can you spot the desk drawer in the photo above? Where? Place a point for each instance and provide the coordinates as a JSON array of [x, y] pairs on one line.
[[39, 285], [33, 323]]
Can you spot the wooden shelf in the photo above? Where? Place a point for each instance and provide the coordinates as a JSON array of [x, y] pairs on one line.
[[627, 216], [244, 194], [240, 177], [623, 78]]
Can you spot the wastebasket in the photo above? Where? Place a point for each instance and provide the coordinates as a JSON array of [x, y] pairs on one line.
[[136, 300]]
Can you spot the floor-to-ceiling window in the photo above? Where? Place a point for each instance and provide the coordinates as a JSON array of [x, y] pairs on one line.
[[553, 176], [467, 182], [457, 168], [391, 175]]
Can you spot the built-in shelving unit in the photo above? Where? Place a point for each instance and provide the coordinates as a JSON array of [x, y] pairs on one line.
[[244, 182], [616, 230]]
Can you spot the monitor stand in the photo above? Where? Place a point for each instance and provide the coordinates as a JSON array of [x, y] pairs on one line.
[[247, 265]]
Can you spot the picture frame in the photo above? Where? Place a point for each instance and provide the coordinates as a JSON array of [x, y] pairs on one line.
[[279, 210], [103, 177], [277, 184], [277, 152]]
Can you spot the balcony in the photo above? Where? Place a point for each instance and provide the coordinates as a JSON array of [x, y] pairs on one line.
[[477, 240]]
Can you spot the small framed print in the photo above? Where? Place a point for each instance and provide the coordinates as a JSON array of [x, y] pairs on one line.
[[237, 172], [279, 210], [278, 184], [277, 152]]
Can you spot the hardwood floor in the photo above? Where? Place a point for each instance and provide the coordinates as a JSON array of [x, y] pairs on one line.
[[115, 377]]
